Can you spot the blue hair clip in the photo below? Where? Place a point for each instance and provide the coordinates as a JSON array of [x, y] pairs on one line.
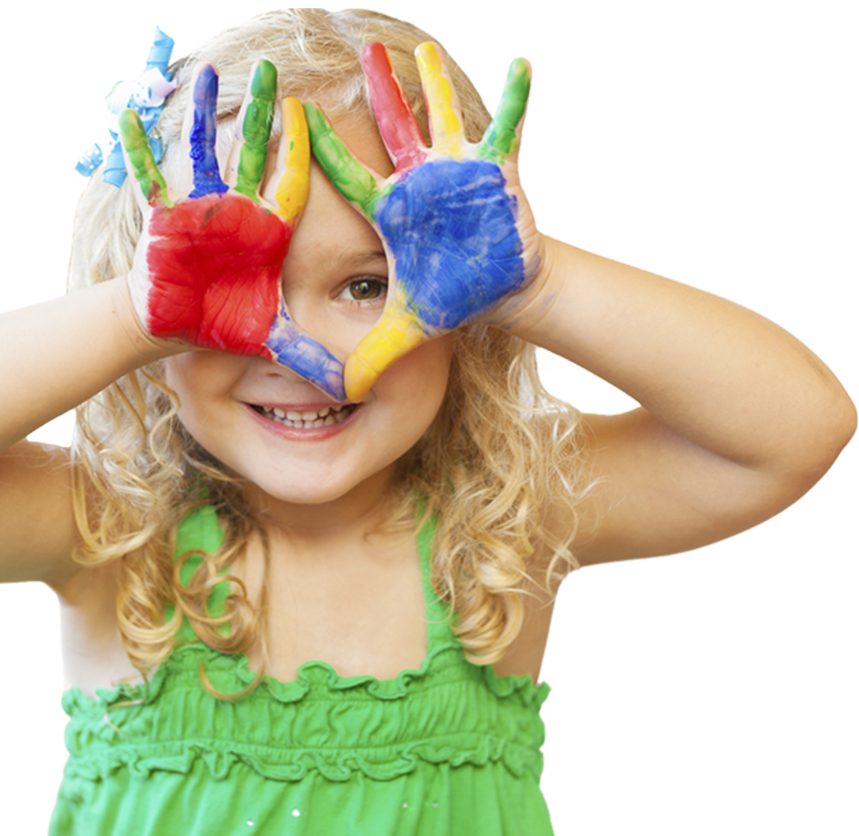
[[145, 94]]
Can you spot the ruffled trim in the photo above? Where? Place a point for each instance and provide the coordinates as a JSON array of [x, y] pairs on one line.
[[126, 728], [220, 758], [522, 686], [311, 675]]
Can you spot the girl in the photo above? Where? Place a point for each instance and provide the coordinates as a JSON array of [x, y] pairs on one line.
[[336, 580]]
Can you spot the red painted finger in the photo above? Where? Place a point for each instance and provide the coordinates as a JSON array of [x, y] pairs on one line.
[[397, 124]]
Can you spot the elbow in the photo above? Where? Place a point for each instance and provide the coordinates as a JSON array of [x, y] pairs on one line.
[[846, 424], [824, 437]]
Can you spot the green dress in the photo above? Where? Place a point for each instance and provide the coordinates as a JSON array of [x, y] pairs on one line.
[[448, 749]]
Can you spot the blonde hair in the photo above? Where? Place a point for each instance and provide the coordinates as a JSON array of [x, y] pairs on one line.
[[499, 453]]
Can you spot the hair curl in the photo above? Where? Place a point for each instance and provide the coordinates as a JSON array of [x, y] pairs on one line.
[[499, 452]]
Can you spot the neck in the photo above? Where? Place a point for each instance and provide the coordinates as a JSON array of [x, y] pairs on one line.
[[359, 508]]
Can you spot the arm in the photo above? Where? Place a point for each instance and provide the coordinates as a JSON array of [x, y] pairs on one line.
[[206, 275], [54, 356], [738, 418], [57, 354]]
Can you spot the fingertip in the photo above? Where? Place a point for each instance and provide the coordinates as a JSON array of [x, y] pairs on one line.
[[357, 382], [294, 115], [129, 123], [430, 53], [316, 119], [264, 80], [374, 52], [520, 72], [205, 67]]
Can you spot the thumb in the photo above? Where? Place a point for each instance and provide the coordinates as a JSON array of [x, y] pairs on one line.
[[397, 332]]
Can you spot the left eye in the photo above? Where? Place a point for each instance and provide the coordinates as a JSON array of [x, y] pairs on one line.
[[362, 290]]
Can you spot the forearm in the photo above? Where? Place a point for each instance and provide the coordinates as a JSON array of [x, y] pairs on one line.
[[57, 354], [721, 376]]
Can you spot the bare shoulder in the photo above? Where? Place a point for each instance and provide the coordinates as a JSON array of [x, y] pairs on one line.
[[37, 527]]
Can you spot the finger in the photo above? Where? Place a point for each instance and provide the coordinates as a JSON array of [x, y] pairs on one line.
[[445, 118], [294, 158], [255, 119], [502, 136], [396, 333], [140, 158], [349, 176], [397, 124], [288, 346], [204, 96]]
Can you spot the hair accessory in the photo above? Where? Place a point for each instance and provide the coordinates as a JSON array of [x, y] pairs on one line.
[[146, 94]]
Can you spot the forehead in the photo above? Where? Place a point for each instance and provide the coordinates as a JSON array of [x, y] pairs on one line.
[[330, 232], [359, 132]]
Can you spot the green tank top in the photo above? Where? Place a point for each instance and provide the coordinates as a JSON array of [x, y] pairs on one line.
[[448, 749]]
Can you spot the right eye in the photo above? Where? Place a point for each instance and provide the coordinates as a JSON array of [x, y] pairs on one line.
[[365, 289]]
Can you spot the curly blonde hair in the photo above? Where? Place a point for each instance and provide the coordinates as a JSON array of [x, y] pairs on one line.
[[499, 453]]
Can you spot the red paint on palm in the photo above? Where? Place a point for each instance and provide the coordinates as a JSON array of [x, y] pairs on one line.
[[215, 265]]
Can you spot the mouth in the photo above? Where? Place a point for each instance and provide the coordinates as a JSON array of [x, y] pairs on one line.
[[305, 418]]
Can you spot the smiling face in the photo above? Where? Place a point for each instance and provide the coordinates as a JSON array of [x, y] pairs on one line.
[[318, 452]]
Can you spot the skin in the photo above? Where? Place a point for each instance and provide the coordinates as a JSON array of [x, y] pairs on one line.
[[319, 491]]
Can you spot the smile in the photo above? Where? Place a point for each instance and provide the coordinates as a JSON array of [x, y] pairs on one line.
[[306, 419], [306, 425]]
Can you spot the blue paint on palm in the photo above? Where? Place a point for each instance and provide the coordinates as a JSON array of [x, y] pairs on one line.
[[207, 177], [305, 356], [452, 230]]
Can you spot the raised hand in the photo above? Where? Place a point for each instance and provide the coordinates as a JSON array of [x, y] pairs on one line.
[[208, 268], [456, 226]]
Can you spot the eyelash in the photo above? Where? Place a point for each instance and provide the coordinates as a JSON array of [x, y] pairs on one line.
[[381, 284]]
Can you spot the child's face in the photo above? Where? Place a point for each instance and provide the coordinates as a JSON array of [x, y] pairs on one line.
[[334, 286]]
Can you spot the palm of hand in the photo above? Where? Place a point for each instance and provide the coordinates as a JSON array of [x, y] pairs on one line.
[[214, 266], [451, 228]]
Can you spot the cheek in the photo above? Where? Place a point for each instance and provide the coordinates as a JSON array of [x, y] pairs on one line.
[[419, 380], [201, 379]]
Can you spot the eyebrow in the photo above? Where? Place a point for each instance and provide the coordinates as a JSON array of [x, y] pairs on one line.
[[360, 259]]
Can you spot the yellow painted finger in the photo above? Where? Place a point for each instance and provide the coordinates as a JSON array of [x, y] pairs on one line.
[[445, 118], [293, 185], [395, 334]]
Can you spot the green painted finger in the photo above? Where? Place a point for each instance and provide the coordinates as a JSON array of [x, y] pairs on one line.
[[143, 166], [256, 129], [500, 139], [352, 179]]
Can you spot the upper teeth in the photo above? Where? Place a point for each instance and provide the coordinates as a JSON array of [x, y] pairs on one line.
[[309, 418], [301, 416]]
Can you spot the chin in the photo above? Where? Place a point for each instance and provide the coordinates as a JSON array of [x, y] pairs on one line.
[[302, 488], [300, 495]]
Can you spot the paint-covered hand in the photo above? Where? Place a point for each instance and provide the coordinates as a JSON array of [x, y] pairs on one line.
[[208, 268], [456, 226]]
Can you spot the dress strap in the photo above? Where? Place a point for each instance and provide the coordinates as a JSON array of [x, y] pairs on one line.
[[198, 532], [437, 612]]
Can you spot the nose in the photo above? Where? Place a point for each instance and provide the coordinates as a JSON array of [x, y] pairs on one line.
[[300, 387]]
